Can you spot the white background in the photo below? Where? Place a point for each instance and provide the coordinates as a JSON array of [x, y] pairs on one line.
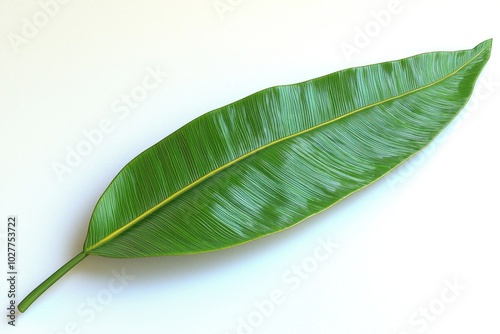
[[434, 220]]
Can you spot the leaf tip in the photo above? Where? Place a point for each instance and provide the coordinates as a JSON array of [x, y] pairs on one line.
[[485, 45]]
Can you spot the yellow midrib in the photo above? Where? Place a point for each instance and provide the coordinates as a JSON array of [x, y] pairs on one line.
[[217, 170]]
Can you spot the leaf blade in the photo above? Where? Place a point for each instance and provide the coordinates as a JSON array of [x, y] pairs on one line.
[[164, 217]]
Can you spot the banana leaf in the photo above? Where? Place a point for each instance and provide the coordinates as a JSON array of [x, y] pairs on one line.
[[270, 160]]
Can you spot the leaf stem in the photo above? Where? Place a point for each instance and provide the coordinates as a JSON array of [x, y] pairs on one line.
[[29, 299]]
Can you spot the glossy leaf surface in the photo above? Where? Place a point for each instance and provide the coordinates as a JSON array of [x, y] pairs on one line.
[[272, 159]]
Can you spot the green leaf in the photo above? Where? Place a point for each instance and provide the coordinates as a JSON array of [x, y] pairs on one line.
[[264, 163]]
